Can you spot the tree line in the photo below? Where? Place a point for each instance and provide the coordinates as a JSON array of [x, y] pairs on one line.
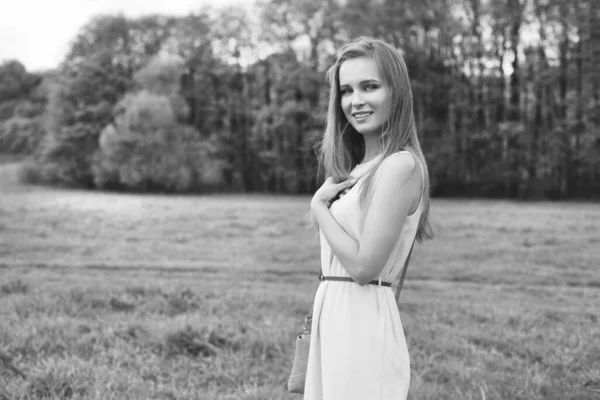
[[507, 97]]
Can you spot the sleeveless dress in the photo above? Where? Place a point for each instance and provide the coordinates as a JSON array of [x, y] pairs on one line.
[[358, 350]]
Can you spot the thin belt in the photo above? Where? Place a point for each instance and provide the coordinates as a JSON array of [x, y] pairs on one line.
[[345, 279]]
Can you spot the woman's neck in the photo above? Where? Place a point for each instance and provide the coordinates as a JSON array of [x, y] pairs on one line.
[[372, 147]]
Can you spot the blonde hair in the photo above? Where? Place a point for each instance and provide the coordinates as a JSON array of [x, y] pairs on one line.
[[342, 147]]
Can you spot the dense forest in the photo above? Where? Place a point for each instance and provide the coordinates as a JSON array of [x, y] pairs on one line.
[[507, 97]]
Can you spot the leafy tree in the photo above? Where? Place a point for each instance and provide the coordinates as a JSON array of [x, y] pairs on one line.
[[288, 21], [148, 148], [21, 105], [15, 82], [79, 107]]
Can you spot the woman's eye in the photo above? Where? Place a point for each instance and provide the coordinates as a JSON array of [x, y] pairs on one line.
[[344, 91], [370, 87]]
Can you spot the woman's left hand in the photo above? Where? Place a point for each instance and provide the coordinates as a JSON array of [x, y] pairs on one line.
[[329, 190]]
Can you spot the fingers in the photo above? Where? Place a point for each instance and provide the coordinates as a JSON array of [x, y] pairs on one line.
[[348, 183], [340, 189], [346, 186]]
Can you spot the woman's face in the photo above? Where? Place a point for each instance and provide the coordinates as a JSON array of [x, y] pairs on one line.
[[365, 100]]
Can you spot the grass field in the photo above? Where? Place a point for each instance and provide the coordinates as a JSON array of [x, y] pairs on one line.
[[112, 296]]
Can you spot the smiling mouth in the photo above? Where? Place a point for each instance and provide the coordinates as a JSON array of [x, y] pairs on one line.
[[362, 115]]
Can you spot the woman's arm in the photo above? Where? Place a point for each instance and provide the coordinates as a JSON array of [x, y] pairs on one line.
[[395, 191]]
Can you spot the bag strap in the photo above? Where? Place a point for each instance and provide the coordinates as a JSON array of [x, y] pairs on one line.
[[415, 238], [404, 271]]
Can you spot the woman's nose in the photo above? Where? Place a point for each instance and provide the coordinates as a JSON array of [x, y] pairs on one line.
[[357, 99]]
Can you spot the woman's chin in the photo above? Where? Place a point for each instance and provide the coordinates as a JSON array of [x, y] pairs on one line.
[[368, 132], [367, 129]]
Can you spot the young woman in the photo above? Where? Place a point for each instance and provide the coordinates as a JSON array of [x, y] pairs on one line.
[[371, 208]]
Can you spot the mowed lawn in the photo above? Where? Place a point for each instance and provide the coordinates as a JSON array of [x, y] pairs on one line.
[[120, 296]]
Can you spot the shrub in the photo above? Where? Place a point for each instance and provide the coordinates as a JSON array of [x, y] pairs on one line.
[[7, 109], [64, 157], [30, 109], [147, 150], [20, 135]]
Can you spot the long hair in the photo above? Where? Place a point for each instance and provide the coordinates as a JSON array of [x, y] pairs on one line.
[[342, 147]]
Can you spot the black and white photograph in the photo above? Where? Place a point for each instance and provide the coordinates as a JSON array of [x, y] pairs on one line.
[[300, 200]]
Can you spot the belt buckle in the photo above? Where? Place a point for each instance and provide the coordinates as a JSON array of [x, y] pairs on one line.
[[321, 277]]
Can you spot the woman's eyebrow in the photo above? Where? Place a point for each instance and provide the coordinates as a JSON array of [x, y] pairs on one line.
[[361, 82]]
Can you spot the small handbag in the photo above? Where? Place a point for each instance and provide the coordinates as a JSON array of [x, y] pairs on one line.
[[297, 378], [298, 375]]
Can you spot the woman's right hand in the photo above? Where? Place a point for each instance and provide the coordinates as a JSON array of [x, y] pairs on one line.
[[330, 190]]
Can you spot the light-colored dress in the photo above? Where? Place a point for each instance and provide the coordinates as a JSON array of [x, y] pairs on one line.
[[358, 350]]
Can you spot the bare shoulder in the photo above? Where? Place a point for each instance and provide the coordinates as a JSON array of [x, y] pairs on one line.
[[399, 167]]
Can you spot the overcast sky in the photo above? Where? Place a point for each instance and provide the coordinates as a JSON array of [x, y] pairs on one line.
[[38, 32]]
